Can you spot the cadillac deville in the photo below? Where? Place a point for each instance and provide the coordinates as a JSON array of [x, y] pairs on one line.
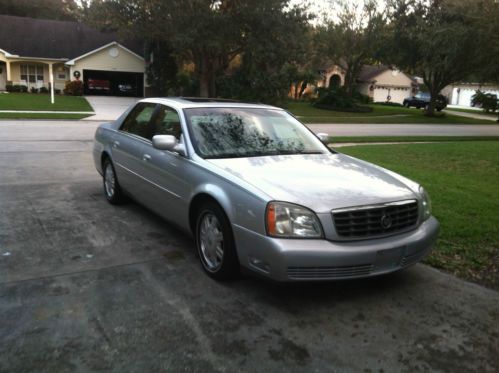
[[257, 189]]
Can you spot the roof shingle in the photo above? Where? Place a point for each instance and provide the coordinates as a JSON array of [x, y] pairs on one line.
[[30, 37]]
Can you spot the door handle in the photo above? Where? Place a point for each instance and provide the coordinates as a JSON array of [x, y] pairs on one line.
[[116, 144], [146, 157]]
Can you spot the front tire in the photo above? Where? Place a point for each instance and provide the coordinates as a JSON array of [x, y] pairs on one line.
[[112, 189], [215, 243]]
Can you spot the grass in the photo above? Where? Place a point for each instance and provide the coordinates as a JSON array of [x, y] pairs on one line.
[[463, 182], [41, 102], [368, 139], [41, 116], [380, 114]]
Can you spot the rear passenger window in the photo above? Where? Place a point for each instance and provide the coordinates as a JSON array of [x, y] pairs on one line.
[[167, 122], [138, 121]]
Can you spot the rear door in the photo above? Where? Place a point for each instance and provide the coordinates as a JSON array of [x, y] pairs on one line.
[[128, 147]]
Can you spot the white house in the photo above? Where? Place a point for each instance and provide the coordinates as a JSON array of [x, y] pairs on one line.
[[460, 94]]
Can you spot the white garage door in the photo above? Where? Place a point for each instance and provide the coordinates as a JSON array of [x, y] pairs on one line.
[[463, 96], [397, 95]]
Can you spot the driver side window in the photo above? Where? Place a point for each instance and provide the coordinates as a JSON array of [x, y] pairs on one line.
[[167, 122], [138, 121]]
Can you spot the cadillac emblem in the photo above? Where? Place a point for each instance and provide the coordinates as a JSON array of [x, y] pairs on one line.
[[386, 221]]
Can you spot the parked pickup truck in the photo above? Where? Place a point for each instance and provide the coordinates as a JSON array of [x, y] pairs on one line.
[[422, 100]]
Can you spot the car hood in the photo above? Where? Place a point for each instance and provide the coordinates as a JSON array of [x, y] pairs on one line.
[[320, 182]]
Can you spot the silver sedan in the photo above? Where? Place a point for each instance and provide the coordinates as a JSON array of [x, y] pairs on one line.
[[258, 190]]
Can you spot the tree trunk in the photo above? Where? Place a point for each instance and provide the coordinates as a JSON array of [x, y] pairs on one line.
[[204, 74], [434, 92], [303, 88], [204, 85]]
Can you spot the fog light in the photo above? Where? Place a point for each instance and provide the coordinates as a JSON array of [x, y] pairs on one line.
[[259, 264]]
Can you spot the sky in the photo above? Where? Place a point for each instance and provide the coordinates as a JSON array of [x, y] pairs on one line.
[[325, 7]]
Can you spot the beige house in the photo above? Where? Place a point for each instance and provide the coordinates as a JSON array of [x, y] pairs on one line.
[[41, 53], [385, 84], [381, 83]]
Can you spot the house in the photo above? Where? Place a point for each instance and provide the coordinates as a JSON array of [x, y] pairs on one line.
[[385, 84], [380, 82], [37, 52], [460, 94]]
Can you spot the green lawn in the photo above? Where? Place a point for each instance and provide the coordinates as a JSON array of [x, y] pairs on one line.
[[463, 181], [32, 101], [41, 116], [380, 114]]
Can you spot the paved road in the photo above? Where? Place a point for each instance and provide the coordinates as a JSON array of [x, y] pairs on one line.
[[86, 286], [44, 129], [406, 129]]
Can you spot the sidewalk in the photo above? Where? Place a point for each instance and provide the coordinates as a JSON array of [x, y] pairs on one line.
[[478, 115]]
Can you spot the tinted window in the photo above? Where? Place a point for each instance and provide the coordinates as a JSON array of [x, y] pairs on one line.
[[167, 122], [138, 121]]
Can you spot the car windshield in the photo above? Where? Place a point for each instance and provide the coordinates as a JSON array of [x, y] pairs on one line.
[[243, 132], [423, 95]]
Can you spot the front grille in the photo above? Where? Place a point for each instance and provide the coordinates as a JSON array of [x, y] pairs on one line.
[[376, 220], [329, 273]]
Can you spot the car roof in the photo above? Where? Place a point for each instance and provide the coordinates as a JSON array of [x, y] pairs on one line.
[[195, 102]]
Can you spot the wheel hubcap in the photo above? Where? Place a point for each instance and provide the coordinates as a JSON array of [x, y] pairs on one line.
[[109, 181], [211, 242]]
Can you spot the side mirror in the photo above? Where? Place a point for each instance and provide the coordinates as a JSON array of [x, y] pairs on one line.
[[324, 137], [164, 142], [168, 142]]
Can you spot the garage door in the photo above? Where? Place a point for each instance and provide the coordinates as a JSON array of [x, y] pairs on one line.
[[113, 83], [397, 95]]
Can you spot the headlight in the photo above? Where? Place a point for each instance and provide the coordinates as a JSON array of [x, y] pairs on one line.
[[288, 220], [426, 203]]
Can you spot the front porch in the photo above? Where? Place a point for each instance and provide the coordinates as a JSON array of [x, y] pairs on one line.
[[33, 74]]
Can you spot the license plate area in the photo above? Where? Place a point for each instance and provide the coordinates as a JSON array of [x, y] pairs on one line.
[[388, 258]]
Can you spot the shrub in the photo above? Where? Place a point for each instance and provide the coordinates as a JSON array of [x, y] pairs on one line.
[[396, 104], [16, 88], [44, 90], [487, 101], [337, 99], [57, 91], [33, 90], [74, 88]]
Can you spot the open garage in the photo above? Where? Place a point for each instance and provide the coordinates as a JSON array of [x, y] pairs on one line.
[[113, 83]]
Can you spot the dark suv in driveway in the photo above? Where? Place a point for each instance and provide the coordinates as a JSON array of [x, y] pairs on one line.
[[422, 100]]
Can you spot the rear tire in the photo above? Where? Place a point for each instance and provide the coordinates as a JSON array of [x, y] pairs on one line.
[[112, 189], [406, 104], [215, 243]]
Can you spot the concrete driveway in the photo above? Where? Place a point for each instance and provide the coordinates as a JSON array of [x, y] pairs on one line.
[[86, 286], [109, 108]]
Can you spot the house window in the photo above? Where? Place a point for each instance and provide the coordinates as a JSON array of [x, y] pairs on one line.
[[61, 75], [32, 73]]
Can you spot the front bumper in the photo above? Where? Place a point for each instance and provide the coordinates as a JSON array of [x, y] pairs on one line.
[[305, 260]]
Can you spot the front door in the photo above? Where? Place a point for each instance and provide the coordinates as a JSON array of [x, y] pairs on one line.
[[3, 77], [166, 171], [128, 147]]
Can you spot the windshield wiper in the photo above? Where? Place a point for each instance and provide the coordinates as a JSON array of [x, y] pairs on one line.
[[292, 152]]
